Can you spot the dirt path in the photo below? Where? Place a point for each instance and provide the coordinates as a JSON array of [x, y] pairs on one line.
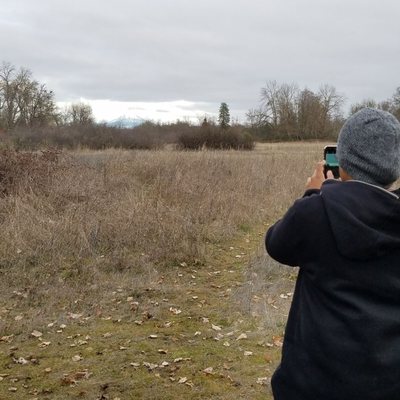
[[199, 332]]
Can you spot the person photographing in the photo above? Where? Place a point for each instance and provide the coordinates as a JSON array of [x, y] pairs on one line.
[[342, 339]]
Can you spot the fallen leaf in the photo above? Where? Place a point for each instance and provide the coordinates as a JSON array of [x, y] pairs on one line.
[[278, 341], [182, 380], [216, 327], [74, 316], [242, 336], [36, 334], [21, 361], [248, 353], [134, 305], [77, 358], [263, 381], [164, 364], [209, 371], [7, 339], [150, 366], [180, 359], [73, 377]]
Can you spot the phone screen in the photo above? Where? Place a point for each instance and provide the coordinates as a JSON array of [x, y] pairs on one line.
[[331, 162]]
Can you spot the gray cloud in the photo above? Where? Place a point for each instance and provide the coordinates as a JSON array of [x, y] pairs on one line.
[[208, 51]]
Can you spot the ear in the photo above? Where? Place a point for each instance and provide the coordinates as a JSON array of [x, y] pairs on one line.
[[344, 176]]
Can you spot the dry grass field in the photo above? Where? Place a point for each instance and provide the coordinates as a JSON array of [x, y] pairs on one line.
[[141, 274]]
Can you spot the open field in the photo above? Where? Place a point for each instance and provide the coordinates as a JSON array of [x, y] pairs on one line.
[[141, 274]]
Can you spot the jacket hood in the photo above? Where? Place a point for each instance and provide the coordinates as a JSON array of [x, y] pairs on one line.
[[365, 219]]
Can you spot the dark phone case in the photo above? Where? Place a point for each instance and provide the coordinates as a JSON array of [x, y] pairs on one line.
[[335, 171]]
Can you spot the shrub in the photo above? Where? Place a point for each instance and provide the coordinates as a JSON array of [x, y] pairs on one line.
[[26, 171], [96, 137], [211, 137]]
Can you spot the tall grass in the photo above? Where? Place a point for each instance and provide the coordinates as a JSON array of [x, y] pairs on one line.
[[121, 215]]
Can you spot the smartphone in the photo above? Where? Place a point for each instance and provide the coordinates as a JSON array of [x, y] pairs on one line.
[[331, 162]]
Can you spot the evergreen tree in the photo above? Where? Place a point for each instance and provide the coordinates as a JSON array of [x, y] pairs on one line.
[[224, 116]]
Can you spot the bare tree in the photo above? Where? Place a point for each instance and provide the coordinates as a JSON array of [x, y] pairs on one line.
[[8, 107], [279, 106], [332, 103], [395, 103], [294, 114], [287, 109], [269, 101], [257, 118], [79, 114], [362, 104], [24, 101], [309, 114]]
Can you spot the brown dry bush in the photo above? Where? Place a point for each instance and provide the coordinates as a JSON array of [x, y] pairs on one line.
[[212, 137], [148, 135], [92, 136], [26, 171], [116, 217]]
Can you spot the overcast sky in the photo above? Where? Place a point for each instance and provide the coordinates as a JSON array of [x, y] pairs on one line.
[[164, 59]]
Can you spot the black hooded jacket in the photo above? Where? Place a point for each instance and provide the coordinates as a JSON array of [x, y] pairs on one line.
[[342, 339]]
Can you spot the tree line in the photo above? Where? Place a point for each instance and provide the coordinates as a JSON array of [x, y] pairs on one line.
[[286, 112]]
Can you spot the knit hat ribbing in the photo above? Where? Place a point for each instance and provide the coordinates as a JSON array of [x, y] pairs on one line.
[[368, 147]]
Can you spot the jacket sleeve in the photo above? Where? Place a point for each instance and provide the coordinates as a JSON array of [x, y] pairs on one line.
[[286, 240]]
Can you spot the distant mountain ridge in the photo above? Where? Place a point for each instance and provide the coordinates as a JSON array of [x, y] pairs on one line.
[[125, 122]]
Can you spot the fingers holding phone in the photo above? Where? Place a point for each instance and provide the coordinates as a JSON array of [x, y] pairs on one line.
[[331, 162], [327, 169], [316, 180]]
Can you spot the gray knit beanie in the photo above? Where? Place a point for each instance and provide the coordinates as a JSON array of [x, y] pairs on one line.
[[368, 147]]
